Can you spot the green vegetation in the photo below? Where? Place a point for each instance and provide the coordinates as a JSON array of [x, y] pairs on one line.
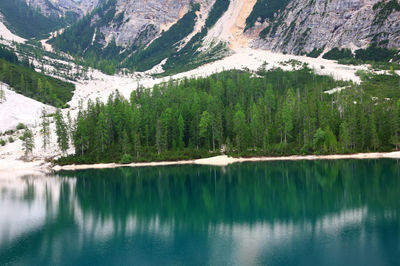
[[385, 9], [35, 85], [381, 86], [28, 22], [126, 159], [377, 54], [45, 129], [265, 9], [20, 126], [273, 113], [84, 40], [165, 45], [28, 142], [77, 40], [315, 53], [25, 80], [380, 58], [336, 54], [8, 55], [190, 56]]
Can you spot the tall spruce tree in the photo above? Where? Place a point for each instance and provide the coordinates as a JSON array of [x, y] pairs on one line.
[[61, 132], [45, 129], [28, 143]]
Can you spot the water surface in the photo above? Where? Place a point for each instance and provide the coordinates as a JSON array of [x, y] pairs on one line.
[[274, 213]]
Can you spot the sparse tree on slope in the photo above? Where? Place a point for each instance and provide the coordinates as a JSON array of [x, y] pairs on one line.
[[2, 94], [45, 130], [28, 142]]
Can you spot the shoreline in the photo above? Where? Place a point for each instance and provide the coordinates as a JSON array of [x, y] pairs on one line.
[[224, 160]]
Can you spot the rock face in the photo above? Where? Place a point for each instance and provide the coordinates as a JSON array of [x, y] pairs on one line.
[[62, 7], [141, 20], [306, 25]]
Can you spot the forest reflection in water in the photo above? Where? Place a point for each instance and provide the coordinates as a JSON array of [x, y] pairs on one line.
[[279, 213]]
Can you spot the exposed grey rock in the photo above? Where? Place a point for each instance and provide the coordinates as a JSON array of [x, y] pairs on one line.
[[308, 24], [61, 7]]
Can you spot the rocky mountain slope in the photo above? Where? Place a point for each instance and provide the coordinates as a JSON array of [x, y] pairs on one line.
[[61, 8], [305, 25], [164, 34]]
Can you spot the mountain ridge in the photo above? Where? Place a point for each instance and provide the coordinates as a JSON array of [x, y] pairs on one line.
[[117, 34]]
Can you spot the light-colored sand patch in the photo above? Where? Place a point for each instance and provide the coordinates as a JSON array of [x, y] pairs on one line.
[[252, 59], [334, 90], [224, 160], [8, 35]]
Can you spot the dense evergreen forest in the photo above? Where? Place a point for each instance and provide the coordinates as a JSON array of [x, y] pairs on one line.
[[22, 77], [361, 56], [246, 114], [28, 22]]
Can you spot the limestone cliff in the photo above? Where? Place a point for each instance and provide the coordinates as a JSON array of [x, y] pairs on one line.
[[305, 25]]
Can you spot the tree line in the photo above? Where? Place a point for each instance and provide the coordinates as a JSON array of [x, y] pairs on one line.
[[22, 77], [240, 113]]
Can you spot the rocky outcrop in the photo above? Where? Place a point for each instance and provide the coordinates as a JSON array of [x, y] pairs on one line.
[[306, 25], [61, 8], [142, 20]]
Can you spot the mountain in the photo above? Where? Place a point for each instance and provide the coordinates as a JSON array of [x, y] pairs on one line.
[[300, 26], [174, 36], [62, 8], [139, 35], [37, 18]]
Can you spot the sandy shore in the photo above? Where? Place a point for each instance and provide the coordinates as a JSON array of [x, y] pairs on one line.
[[224, 160]]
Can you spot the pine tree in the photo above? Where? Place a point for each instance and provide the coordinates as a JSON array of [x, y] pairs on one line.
[[62, 132], [204, 127], [287, 115], [344, 137], [28, 142], [81, 138], [2, 94], [256, 126], [40, 87], [45, 130], [181, 128], [240, 128], [102, 131], [158, 137], [375, 142], [319, 140]]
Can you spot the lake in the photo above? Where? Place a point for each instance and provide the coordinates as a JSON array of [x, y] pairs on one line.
[[342, 212]]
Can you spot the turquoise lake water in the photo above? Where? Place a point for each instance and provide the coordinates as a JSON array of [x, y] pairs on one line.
[[274, 213]]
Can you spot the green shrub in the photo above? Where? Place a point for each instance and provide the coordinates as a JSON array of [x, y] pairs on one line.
[[21, 126], [10, 139], [315, 53], [126, 159], [9, 132], [336, 54], [2, 142]]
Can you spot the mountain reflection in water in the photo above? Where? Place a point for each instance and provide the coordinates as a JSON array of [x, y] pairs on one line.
[[276, 213]]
